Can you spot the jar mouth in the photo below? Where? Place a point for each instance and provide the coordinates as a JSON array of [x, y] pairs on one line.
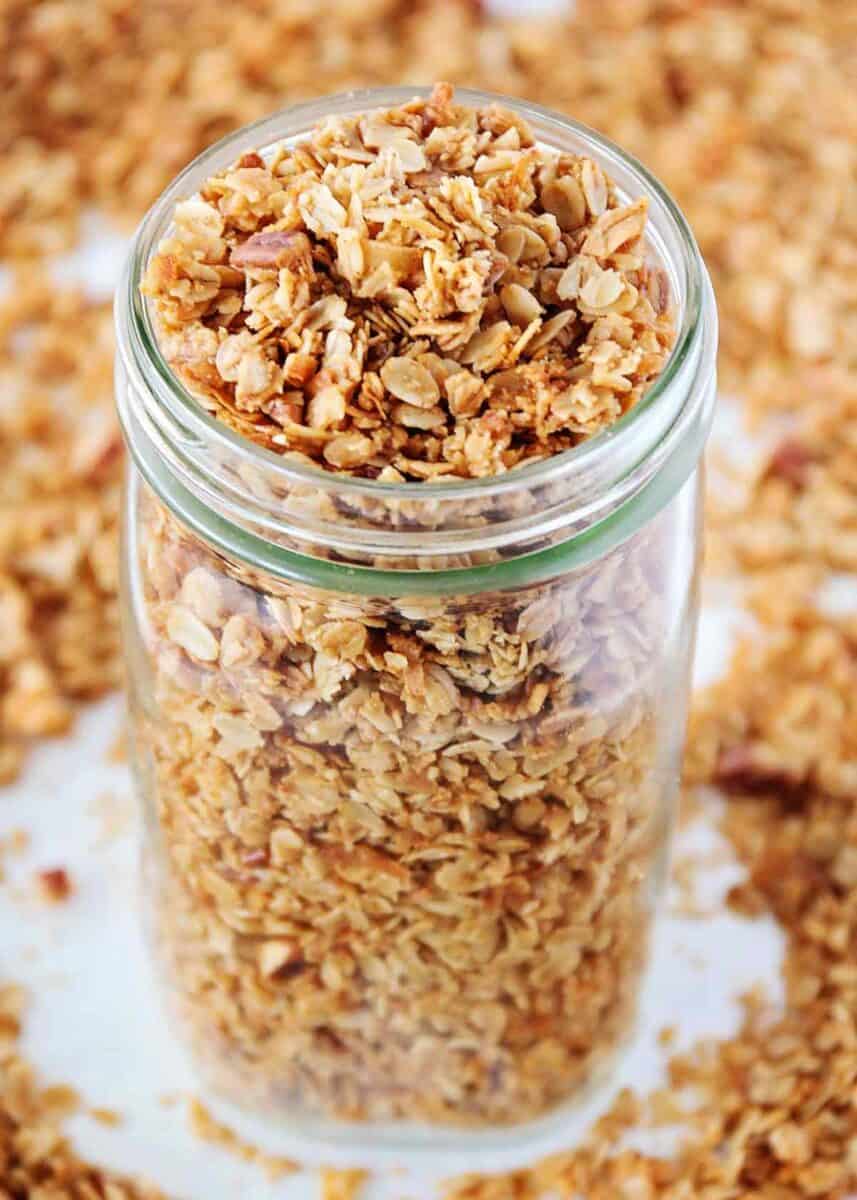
[[568, 493]]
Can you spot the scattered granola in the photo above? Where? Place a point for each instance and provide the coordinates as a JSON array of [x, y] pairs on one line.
[[338, 1184], [36, 1160], [773, 1111], [713, 97], [209, 1129], [800, 506], [411, 294], [62, 460]]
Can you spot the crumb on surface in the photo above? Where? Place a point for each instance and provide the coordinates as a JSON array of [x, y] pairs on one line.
[[206, 1127], [342, 1183], [55, 885], [110, 1117]]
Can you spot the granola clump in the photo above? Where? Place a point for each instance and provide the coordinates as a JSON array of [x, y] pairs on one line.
[[415, 293]]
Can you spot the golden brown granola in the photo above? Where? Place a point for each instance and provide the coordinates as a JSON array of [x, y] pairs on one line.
[[406, 839], [401, 839], [62, 460], [413, 293], [36, 1160], [713, 96], [209, 1129], [773, 1111], [342, 1184], [799, 508]]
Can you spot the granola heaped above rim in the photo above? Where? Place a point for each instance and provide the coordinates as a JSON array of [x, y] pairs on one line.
[[413, 293]]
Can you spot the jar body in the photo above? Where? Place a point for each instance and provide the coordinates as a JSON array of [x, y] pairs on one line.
[[401, 852]]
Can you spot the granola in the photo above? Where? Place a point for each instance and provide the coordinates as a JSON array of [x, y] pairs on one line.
[[415, 293], [339, 1184], [799, 507], [36, 1160], [208, 1129], [402, 839], [770, 1112], [712, 96], [59, 494], [55, 885]]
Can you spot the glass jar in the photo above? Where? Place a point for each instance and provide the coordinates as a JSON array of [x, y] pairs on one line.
[[408, 754]]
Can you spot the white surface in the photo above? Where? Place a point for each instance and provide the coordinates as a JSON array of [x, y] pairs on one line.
[[96, 1022]]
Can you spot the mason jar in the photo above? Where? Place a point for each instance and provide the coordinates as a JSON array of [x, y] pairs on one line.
[[407, 754]]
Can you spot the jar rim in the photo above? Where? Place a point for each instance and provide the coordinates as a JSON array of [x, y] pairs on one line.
[[185, 417]]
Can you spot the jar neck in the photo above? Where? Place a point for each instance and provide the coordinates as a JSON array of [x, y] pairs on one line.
[[254, 503]]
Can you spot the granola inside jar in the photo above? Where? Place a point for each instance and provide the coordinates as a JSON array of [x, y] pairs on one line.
[[415, 391]]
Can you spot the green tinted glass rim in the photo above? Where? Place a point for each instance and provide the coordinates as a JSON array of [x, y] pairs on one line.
[[681, 444], [523, 570]]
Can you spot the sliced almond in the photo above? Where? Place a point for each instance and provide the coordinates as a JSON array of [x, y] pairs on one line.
[[348, 450], [276, 955], [521, 306], [511, 242], [410, 155], [195, 638], [564, 198], [419, 418], [409, 380], [602, 289], [326, 409], [485, 348], [616, 228], [378, 133], [569, 284], [594, 187], [550, 330]]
